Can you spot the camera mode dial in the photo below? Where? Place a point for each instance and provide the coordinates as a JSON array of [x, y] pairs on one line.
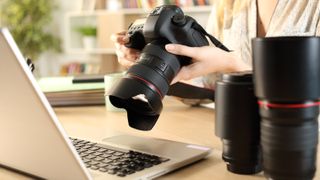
[[179, 19]]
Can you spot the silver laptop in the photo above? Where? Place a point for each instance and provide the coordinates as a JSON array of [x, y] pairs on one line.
[[34, 142]]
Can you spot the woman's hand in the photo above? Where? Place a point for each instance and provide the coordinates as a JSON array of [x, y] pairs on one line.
[[206, 60], [126, 56]]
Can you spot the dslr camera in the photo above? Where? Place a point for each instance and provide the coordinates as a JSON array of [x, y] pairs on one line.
[[146, 83]]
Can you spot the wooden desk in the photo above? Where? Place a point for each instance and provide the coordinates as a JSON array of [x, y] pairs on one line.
[[177, 122]]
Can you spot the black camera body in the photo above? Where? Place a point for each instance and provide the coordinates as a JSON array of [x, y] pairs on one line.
[[146, 83], [169, 23]]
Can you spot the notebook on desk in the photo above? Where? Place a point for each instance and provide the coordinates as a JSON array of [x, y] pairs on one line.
[[61, 91], [33, 141]]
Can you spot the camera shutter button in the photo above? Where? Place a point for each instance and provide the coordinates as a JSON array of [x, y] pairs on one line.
[[179, 20]]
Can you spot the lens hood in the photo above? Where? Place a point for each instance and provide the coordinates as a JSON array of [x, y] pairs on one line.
[[286, 68], [142, 113]]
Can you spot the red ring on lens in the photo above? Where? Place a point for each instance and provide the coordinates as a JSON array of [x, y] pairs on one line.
[[149, 84], [275, 105]]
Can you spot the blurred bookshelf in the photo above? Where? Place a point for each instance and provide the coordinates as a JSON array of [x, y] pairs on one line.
[[78, 68], [112, 16], [149, 4]]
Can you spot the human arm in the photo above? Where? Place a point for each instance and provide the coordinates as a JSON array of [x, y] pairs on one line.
[[206, 60]]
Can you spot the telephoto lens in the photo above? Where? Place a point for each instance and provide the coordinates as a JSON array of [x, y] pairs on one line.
[[238, 122], [286, 78]]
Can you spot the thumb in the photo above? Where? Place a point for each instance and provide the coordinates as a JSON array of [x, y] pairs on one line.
[[183, 50]]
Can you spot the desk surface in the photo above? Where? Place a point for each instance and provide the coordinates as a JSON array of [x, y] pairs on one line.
[[177, 122]]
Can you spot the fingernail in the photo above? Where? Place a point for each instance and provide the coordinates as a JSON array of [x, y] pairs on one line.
[[170, 47]]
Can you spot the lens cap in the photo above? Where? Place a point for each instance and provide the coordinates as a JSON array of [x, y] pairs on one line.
[[238, 77]]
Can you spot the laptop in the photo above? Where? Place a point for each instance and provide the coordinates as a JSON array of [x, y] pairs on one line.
[[34, 142]]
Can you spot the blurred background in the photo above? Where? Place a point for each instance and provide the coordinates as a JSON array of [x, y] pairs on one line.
[[68, 38]]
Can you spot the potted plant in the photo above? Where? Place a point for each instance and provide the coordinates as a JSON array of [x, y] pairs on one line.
[[28, 22], [89, 36]]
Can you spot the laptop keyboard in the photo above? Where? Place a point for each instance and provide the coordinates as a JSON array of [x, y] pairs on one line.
[[102, 158]]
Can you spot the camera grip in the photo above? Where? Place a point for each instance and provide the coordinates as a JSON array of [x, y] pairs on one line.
[[136, 41]]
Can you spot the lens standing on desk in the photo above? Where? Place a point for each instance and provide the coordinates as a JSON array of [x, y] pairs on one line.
[[238, 122], [287, 84]]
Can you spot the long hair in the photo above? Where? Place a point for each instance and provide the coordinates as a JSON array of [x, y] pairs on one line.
[[223, 12]]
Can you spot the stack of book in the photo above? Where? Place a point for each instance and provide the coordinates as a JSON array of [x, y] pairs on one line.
[[61, 91]]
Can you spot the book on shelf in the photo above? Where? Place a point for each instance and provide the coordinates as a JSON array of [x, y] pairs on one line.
[[61, 91], [150, 4]]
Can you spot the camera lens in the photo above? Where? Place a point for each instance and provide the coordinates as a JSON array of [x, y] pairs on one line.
[[238, 122], [287, 84], [145, 84]]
